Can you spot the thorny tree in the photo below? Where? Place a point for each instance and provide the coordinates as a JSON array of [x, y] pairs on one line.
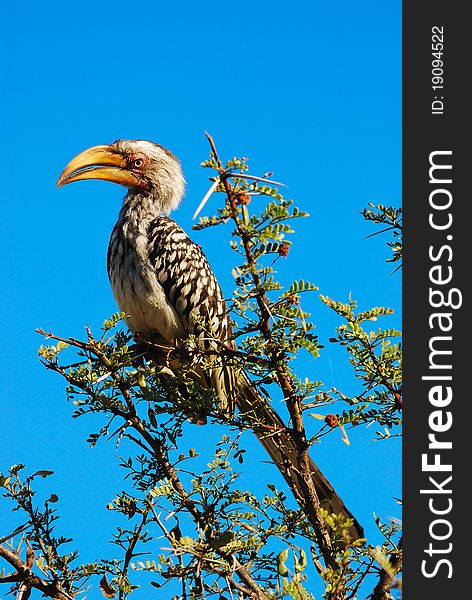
[[187, 521]]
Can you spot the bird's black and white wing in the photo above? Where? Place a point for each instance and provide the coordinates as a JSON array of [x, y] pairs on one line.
[[191, 288], [187, 279]]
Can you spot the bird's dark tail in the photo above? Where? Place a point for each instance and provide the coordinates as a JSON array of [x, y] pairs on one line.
[[272, 433]]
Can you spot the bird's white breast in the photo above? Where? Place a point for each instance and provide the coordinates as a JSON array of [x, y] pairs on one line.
[[136, 288]]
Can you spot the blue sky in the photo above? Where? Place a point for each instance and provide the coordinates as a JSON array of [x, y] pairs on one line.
[[308, 90]]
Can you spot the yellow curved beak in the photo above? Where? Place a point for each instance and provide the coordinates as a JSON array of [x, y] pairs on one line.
[[98, 162]]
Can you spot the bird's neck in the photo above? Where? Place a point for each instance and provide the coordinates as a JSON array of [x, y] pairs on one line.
[[143, 206], [139, 209]]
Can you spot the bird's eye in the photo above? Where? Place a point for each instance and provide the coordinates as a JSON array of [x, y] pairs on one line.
[[138, 162]]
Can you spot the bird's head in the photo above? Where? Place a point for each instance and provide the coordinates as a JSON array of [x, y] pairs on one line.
[[141, 166]]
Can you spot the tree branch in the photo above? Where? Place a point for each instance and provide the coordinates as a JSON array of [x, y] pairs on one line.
[[311, 501], [387, 578], [25, 575]]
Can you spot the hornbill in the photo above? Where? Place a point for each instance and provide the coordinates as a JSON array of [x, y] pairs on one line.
[[163, 283]]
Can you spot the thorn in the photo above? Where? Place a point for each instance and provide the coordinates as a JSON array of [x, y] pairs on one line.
[[206, 198]]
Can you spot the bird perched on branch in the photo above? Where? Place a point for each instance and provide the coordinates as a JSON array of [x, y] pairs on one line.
[[162, 281]]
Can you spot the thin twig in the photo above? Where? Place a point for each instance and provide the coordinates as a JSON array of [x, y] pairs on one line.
[[255, 177], [16, 532], [129, 554], [171, 540]]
